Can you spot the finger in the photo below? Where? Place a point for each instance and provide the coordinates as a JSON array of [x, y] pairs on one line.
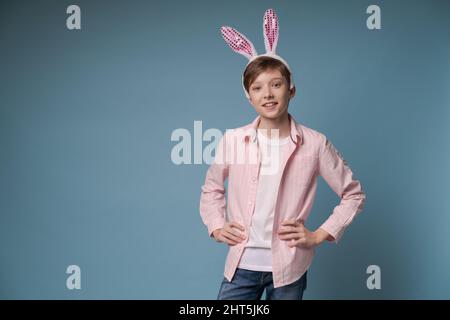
[[235, 233], [229, 241], [297, 243], [289, 236], [287, 229], [293, 243], [237, 225], [233, 237], [302, 240]]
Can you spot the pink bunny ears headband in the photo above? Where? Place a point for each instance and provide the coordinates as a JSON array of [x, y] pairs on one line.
[[240, 44]]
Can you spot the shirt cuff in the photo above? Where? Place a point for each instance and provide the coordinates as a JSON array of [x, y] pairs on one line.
[[216, 224], [333, 229]]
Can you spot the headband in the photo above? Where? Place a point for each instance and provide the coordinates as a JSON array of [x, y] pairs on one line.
[[240, 44]]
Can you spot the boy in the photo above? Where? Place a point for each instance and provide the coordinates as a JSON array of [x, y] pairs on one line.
[[270, 199]]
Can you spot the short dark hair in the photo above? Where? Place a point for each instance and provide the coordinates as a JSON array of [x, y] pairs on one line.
[[261, 64]]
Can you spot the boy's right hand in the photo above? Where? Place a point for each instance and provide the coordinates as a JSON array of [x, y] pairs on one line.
[[230, 234]]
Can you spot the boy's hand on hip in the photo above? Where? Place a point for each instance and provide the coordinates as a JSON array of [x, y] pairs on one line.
[[298, 235], [230, 234]]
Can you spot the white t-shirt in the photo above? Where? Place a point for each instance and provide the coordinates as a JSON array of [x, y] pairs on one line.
[[257, 254]]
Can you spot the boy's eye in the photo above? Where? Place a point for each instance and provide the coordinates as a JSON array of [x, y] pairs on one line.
[[277, 85]]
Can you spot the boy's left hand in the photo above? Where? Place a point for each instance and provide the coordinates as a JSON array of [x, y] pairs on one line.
[[298, 235]]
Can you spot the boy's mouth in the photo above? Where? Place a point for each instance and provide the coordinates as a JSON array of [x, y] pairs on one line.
[[269, 104]]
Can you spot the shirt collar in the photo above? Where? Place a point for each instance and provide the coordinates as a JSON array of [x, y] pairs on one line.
[[295, 133]]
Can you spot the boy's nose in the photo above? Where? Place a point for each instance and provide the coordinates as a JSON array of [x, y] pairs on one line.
[[268, 94]]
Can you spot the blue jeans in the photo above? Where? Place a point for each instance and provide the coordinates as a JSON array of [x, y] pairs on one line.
[[249, 285]]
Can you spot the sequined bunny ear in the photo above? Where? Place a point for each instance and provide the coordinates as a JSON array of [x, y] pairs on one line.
[[238, 42], [270, 30]]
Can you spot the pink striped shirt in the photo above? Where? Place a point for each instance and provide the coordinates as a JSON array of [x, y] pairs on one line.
[[309, 155]]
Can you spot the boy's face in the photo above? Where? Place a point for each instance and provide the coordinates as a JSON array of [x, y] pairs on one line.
[[270, 95]]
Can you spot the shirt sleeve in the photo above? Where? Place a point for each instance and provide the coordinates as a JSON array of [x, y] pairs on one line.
[[338, 175], [212, 198]]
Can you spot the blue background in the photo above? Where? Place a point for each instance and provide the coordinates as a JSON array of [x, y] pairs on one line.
[[86, 117]]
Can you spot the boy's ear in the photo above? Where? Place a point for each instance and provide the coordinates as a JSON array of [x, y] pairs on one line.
[[292, 92]]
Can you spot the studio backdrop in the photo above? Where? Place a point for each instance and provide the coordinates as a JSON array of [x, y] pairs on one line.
[[108, 111]]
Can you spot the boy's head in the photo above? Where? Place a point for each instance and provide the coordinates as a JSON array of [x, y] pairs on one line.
[[268, 80], [261, 64], [268, 71]]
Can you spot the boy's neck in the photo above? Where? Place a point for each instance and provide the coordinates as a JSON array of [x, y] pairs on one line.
[[282, 124]]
